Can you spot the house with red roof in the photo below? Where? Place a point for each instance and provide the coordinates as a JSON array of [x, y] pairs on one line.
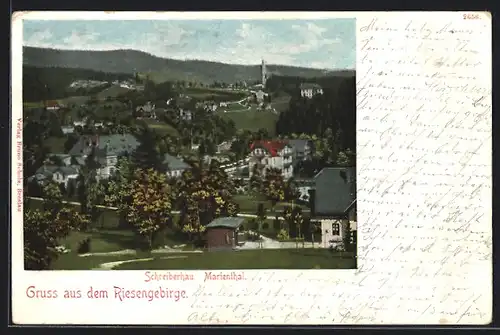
[[53, 105], [275, 154]]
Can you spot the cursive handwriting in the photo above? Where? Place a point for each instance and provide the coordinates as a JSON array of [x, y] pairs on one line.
[[424, 180]]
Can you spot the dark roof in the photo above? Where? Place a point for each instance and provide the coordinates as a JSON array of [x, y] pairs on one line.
[[335, 191], [80, 160], [174, 163], [148, 107], [68, 170], [38, 178], [61, 156], [306, 86], [298, 144], [226, 222], [47, 170], [109, 145], [351, 206], [53, 103]]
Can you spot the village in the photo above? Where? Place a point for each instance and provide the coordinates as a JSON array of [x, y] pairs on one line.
[[254, 190]]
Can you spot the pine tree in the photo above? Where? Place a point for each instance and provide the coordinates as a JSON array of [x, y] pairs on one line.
[[147, 155]]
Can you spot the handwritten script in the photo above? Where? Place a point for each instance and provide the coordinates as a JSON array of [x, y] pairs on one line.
[[424, 190]]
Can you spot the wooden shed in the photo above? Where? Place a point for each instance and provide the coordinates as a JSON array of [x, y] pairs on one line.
[[222, 233]]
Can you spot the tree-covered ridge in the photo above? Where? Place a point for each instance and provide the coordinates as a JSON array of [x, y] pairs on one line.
[[131, 61], [329, 119], [50, 83]]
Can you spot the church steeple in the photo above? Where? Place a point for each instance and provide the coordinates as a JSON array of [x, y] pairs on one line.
[[263, 72]]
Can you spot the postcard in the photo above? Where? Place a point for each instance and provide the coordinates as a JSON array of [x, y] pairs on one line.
[[232, 168]]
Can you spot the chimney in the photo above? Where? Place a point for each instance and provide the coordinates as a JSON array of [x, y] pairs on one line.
[[312, 201]]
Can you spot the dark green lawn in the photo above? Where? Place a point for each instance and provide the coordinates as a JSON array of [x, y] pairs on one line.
[[119, 240], [244, 259], [251, 259], [253, 120], [112, 92], [55, 145], [102, 241], [161, 127]]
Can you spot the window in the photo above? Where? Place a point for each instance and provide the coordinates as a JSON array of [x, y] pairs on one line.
[[335, 229]]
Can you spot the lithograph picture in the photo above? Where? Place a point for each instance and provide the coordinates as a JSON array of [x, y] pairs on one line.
[[189, 144]]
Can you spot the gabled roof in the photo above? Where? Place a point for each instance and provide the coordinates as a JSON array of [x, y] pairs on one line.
[[61, 156], [67, 170], [80, 160], [272, 147], [174, 163], [109, 145], [306, 86], [335, 191], [46, 170], [299, 144], [226, 222], [52, 103], [351, 206], [148, 107]]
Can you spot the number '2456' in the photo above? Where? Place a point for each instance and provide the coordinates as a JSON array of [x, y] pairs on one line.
[[471, 16]]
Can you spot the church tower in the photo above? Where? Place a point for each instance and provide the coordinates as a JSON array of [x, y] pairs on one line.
[[263, 73]]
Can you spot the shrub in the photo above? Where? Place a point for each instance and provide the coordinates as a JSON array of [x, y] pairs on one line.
[[159, 239], [276, 225], [84, 246], [252, 237], [283, 235], [253, 224], [199, 243]]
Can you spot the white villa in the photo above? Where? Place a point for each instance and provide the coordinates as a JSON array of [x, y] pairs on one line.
[[272, 154], [107, 150], [308, 90]]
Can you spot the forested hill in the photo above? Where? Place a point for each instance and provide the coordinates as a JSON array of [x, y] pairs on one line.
[[332, 113], [130, 61], [47, 83]]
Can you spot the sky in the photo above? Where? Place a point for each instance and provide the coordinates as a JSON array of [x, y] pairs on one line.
[[324, 44]]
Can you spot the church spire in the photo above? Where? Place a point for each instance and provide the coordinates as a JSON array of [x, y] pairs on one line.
[[263, 72]]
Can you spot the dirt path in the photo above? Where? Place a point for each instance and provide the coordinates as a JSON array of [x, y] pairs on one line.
[[133, 252], [112, 265]]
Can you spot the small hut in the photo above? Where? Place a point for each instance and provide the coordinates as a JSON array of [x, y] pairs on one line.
[[222, 233]]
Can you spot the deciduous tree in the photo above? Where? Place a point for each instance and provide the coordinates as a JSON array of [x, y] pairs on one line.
[[43, 229], [204, 194], [149, 209], [119, 189], [273, 186]]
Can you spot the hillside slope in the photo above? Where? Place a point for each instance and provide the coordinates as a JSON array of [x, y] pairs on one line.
[[163, 69], [47, 83]]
